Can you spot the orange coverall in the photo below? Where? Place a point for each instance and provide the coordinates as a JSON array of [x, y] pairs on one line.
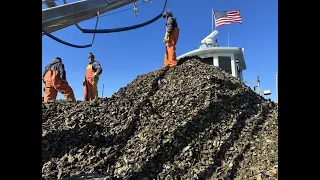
[[54, 84], [91, 86], [170, 58]]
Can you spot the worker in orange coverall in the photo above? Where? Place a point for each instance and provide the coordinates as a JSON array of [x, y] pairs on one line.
[[90, 82], [54, 79], [170, 39]]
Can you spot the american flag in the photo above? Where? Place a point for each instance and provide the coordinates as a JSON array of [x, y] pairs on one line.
[[224, 17]]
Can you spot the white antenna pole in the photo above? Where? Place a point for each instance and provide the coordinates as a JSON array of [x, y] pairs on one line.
[[228, 39], [259, 88], [102, 89]]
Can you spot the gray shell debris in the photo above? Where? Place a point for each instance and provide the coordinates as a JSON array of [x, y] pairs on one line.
[[189, 122]]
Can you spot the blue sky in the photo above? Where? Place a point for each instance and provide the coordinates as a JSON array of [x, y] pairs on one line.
[[125, 55]]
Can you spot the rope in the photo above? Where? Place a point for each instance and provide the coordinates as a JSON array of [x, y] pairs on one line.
[[73, 45]]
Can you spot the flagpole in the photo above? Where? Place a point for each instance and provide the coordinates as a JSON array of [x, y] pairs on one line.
[[228, 39], [212, 17]]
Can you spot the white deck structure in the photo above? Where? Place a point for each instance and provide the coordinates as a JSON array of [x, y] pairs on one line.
[[230, 59]]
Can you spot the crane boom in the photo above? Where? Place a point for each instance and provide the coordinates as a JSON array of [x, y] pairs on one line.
[[55, 18]]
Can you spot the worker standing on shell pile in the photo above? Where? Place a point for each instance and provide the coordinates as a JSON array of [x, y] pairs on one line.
[[54, 79], [170, 39], [90, 82]]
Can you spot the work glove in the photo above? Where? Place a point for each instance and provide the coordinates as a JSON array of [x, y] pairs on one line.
[[84, 83], [95, 75], [166, 37]]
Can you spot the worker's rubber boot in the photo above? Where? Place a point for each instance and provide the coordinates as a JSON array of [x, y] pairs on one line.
[[164, 67]]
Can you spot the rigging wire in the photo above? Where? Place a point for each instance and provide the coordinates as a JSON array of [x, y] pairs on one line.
[[94, 31], [101, 16], [81, 29], [128, 27]]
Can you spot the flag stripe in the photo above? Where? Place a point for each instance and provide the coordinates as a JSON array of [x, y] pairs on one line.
[[224, 18]]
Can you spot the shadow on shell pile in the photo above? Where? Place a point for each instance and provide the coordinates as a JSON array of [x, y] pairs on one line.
[[192, 121]]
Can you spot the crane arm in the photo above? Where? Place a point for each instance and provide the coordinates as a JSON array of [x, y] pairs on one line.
[[59, 17]]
